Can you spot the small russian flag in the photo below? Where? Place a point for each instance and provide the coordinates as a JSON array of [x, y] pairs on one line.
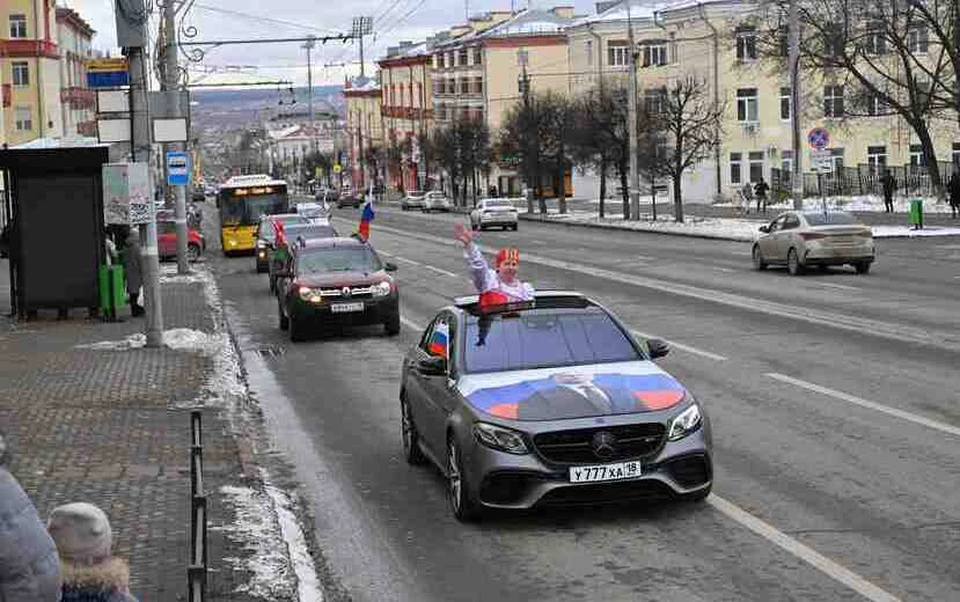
[[440, 339], [366, 217]]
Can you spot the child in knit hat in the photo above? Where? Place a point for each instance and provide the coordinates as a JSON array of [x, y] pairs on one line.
[[84, 539]]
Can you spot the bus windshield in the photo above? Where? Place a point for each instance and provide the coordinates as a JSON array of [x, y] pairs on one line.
[[246, 210]]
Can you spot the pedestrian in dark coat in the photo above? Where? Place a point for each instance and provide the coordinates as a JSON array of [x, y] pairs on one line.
[[889, 187], [760, 190], [954, 189], [132, 263], [29, 565], [84, 539]]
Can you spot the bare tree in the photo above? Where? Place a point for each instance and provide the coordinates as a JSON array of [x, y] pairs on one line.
[[599, 138], [684, 128], [462, 148]]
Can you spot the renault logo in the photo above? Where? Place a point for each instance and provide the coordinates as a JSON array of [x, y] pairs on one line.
[[604, 445], [346, 292]]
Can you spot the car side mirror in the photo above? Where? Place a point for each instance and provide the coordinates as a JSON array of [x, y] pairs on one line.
[[657, 348], [434, 365], [765, 228], [390, 267]]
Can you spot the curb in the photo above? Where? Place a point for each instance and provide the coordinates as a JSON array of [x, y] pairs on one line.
[[527, 217]]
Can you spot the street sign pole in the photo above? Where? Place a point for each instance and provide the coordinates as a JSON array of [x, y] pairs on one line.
[[169, 85]]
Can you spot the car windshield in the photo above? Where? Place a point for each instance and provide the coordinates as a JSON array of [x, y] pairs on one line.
[[498, 203], [338, 259], [309, 231], [248, 210], [311, 210], [544, 339], [836, 218], [266, 231]]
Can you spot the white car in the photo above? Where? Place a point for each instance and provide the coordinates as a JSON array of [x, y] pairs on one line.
[[804, 239], [497, 213], [412, 200], [436, 201], [316, 213]]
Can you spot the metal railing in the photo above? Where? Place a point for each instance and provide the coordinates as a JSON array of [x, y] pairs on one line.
[[197, 570], [865, 179]]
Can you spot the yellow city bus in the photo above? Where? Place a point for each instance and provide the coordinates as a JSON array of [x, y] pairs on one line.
[[242, 200]]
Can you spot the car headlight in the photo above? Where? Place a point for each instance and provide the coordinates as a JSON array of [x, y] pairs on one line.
[[685, 423], [501, 439], [382, 289], [308, 294], [261, 244]]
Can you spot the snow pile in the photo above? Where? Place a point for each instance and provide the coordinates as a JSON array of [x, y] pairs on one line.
[[705, 227], [308, 584], [187, 339], [134, 341], [255, 528]]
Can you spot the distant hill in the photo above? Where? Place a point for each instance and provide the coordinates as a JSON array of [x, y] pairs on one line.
[[222, 108]]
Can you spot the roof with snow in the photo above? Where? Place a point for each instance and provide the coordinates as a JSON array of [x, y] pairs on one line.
[[533, 21], [66, 142], [641, 10]]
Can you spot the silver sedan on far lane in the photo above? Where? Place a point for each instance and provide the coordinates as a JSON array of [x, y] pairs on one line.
[[802, 239]]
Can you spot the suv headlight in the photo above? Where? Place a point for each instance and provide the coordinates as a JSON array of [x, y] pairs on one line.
[[381, 289], [501, 439], [685, 423], [308, 294], [261, 244]]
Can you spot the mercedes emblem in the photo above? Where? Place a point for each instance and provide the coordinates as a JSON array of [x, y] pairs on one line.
[[604, 445]]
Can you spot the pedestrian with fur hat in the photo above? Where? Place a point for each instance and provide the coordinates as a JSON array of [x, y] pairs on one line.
[[499, 286], [29, 565], [84, 540]]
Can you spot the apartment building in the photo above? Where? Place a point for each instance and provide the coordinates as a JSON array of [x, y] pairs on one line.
[[74, 37], [717, 41], [365, 139], [30, 71], [478, 74]]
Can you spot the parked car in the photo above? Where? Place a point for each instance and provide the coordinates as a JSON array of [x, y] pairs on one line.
[[337, 282], [316, 213], [519, 409], [167, 241], [266, 236], [413, 200], [348, 199], [295, 234], [499, 213], [803, 239], [436, 201]]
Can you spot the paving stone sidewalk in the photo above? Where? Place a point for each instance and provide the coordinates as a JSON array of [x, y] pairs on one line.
[[113, 428]]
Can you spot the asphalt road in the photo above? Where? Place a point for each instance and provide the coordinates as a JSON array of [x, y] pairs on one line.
[[833, 399]]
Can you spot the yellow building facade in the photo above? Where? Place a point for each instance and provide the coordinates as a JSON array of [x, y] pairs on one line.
[[406, 92], [365, 139], [74, 37], [29, 71]]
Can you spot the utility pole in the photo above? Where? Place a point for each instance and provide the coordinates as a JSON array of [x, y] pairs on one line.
[[524, 82], [796, 179], [135, 38], [632, 122], [170, 86], [309, 45]]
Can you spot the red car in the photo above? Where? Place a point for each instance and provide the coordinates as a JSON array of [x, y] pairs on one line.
[[167, 241]]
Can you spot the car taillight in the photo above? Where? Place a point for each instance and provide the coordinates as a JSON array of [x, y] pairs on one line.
[[812, 235]]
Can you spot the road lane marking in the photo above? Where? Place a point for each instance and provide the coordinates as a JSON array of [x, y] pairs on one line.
[[439, 271], [410, 323], [405, 260], [940, 426], [805, 553], [645, 258], [843, 287], [384, 253], [848, 322], [727, 270], [681, 346]]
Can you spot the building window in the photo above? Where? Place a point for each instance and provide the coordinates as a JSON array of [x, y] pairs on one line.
[[917, 158], [18, 26], [748, 108], [756, 166], [655, 54], [877, 158], [478, 85], [833, 40], [401, 95], [589, 51], [746, 44], [956, 155], [23, 119], [655, 101], [875, 105], [833, 101], [618, 54], [918, 39], [462, 58], [465, 85], [783, 42], [876, 42], [21, 73], [450, 60], [735, 176], [836, 155], [786, 165], [477, 56], [785, 104]]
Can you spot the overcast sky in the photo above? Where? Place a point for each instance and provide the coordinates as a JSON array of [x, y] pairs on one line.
[[394, 20]]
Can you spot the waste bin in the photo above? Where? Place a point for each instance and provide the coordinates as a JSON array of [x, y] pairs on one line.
[[916, 213], [112, 290]]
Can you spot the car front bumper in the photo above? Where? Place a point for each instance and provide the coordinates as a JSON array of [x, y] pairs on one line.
[[375, 311], [518, 482]]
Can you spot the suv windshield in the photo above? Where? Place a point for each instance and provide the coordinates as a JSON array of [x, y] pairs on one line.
[[309, 231], [830, 219], [338, 259], [545, 339]]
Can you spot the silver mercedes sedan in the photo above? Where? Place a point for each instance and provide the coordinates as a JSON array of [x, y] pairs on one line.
[[803, 239]]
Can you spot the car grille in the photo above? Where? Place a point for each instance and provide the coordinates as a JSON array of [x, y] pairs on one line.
[[632, 441], [606, 492], [356, 292], [689, 471]]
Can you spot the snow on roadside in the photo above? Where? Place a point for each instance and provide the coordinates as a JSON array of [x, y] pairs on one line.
[[183, 339]]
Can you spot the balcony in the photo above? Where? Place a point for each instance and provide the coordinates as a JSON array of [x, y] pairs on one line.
[[78, 98]]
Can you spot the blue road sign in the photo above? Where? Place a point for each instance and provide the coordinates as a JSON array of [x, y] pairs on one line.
[[108, 79], [178, 168], [818, 138]]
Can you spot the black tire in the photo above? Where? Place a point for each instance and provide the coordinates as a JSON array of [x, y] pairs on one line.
[[409, 436], [758, 262], [392, 326], [193, 252], [403, 207], [261, 269], [863, 267], [515, 227], [296, 330], [464, 507], [284, 320], [793, 263]]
